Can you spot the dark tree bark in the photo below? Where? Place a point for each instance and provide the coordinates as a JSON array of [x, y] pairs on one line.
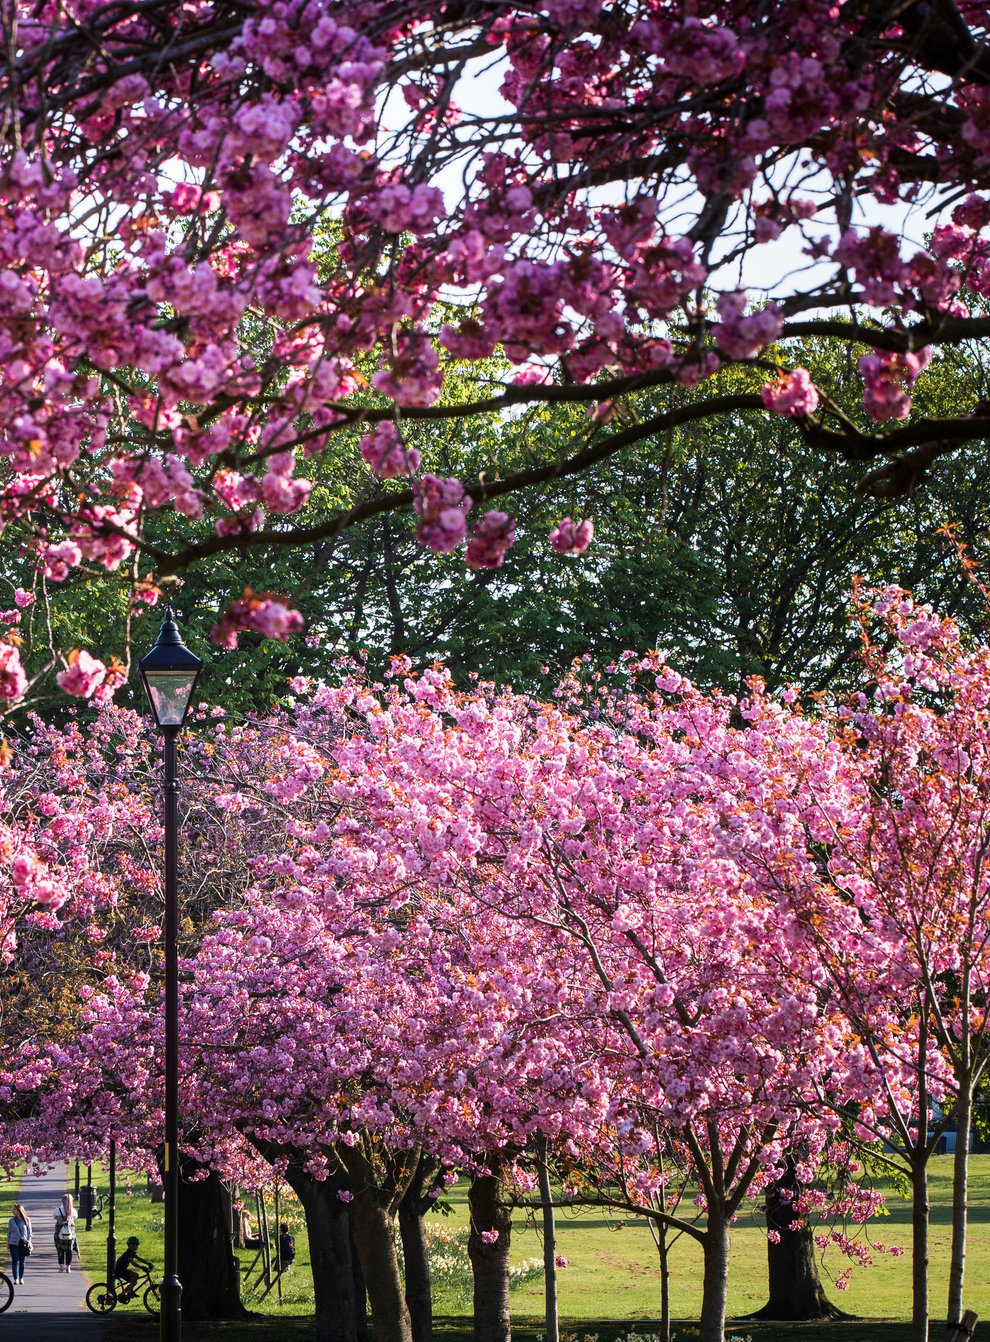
[[378, 1180], [920, 1215], [372, 1226], [412, 1210], [211, 1286], [360, 1294], [795, 1289], [328, 1228], [329, 1232], [490, 1261]]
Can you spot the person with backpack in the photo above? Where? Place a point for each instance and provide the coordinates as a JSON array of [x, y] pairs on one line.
[[65, 1233]]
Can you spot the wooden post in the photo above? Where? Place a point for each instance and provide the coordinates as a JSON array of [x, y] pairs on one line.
[[964, 1329], [278, 1241], [266, 1244]]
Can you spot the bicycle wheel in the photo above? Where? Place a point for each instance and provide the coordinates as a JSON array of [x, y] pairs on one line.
[[6, 1291], [101, 1298], [153, 1299]]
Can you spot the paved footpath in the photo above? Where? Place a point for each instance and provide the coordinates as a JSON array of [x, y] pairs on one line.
[[51, 1305]]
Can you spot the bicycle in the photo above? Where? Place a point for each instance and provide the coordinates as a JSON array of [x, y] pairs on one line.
[[104, 1296], [6, 1292]]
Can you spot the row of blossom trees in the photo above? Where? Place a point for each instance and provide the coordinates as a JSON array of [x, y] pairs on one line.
[[640, 927]]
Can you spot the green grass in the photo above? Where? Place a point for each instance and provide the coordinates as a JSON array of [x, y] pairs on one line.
[[612, 1277], [613, 1265]]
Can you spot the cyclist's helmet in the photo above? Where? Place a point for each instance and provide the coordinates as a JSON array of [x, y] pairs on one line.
[[133, 1242]]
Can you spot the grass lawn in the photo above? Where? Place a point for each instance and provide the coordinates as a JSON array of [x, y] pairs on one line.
[[611, 1278]]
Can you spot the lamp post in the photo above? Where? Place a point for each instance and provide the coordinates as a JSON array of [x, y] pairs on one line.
[[111, 1236], [169, 673]]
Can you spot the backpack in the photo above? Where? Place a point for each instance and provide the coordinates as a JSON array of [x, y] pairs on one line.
[[64, 1229]]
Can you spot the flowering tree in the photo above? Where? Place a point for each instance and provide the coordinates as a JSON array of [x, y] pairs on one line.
[[82, 832], [901, 922], [595, 189], [71, 804]]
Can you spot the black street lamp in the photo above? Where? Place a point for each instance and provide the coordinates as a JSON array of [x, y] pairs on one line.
[[112, 1211], [169, 673]]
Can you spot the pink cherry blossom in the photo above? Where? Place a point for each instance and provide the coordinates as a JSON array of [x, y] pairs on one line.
[[554, 861], [887, 379], [792, 394], [743, 336], [265, 614], [58, 559], [13, 680], [387, 454], [572, 538], [460, 238], [83, 675], [280, 490], [442, 507], [490, 538]]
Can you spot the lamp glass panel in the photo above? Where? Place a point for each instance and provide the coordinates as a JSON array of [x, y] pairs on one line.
[[170, 692]]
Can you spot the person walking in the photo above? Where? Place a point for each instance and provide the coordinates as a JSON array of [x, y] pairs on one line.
[[19, 1241], [65, 1233]]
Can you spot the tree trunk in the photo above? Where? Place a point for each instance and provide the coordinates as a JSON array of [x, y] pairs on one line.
[[378, 1181], [663, 1250], [795, 1289], [329, 1232], [360, 1293], [716, 1281], [960, 1197], [552, 1329], [490, 1261], [328, 1228], [919, 1245], [659, 1229], [412, 1230], [211, 1285], [372, 1227]]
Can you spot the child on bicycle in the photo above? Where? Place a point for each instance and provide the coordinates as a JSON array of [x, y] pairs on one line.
[[123, 1269]]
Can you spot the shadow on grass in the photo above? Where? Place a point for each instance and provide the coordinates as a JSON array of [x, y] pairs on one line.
[[268, 1328]]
